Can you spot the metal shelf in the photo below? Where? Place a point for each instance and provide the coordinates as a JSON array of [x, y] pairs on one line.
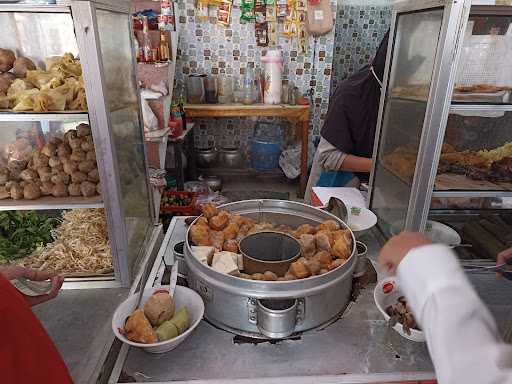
[[469, 194], [50, 116], [49, 203], [469, 107]]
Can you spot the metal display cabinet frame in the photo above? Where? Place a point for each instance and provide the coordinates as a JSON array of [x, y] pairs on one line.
[[127, 261], [439, 104]]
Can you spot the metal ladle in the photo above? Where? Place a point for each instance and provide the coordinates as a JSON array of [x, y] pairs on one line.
[[338, 208]]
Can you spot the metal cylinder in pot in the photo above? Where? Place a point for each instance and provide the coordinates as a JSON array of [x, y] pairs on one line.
[[269, 251], [232, 303], [179, 258]]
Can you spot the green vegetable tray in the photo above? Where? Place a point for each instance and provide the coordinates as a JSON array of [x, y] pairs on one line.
[[178, 202]]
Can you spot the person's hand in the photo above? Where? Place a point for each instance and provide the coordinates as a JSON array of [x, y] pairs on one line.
[[13, 272], [397, 248], [503, 257]]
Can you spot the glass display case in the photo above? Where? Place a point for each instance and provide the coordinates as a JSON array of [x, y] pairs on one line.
[[443, 151], [71, 128]]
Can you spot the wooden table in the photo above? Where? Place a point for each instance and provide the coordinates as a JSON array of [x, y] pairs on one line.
[[298, 115]]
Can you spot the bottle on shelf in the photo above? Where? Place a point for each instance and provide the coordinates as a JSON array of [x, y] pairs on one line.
[[163, 49], [136, 46], [147, 54]]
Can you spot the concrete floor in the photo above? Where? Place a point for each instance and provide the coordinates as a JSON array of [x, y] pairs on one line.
[[275, 184]]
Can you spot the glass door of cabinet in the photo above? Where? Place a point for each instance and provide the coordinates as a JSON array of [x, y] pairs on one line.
[[408, 125]]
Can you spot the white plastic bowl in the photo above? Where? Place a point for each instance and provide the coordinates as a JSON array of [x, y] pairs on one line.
[[360, 219], [182, 297], [434, 231], [386, 293]]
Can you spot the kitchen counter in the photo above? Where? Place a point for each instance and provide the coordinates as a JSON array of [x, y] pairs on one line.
[[358, 346]]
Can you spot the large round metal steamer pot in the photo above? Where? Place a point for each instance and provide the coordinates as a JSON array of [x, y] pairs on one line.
[[272, 309]]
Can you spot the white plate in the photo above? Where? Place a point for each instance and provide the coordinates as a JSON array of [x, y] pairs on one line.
[[386, 293], [182, 297], [434, 231], [360, 219]]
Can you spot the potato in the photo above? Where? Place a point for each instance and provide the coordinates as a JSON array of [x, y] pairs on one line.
[[7, 59], [59, 190], [94, 175], [45, 173], [86, 166], [31, 191], [70, 134], [83, 130], [16, 165], [46, 188], [88, 189], [6, 79], [74, 189], [28, 175], [91, 156], [4, 193], [16, 191], [56, 140], [60, 178], [57, 169], [77, 155], [74, 142], [64, 150], [49, 150], [78, 177], [70, 166], [4, 175], [87, 144], [40, 160], [54, 161], [22, 65]]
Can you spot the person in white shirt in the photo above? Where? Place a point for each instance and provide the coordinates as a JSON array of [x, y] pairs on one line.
[[462, 336]]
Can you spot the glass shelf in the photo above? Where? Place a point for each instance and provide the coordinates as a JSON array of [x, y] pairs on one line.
[[49, 116], [48, 203]]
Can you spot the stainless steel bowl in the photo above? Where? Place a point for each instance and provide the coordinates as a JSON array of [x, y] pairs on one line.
[[214, 182], [231, 158], [206, 158]]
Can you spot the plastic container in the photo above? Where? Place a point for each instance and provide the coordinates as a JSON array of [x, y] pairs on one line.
[[176, 128], [211, 90], [187, 210], [195, 89], [273, 62], [264, 154]]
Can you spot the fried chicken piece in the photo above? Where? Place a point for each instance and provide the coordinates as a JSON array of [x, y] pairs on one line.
[[324, 258], [231, 246], [342, 249], [313, 265], [329, 225], [303, 230], [209, 210], [328, 234], [138, 329], [217, 239], [261, 227], [202, 221], [307, 245], [337, 263], [299, 270], [200, 235], [237, 219], [220, 221], [231, 231], [342, 234], [323, 242]]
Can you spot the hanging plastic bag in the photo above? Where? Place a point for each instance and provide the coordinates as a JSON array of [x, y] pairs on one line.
[[289, 161]]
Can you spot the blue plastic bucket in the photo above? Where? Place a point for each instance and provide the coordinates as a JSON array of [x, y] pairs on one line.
[[264, 155]]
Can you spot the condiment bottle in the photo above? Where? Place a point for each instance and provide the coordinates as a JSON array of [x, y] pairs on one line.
[[147, 54], [164, 46]]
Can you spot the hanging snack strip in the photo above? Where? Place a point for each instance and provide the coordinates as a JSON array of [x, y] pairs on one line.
[[202, 10], [271, 17], [224, 13], [247, 11], [294, 23]]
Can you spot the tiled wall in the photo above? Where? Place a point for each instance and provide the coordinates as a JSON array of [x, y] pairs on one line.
[[206, 47], [360, 26]]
